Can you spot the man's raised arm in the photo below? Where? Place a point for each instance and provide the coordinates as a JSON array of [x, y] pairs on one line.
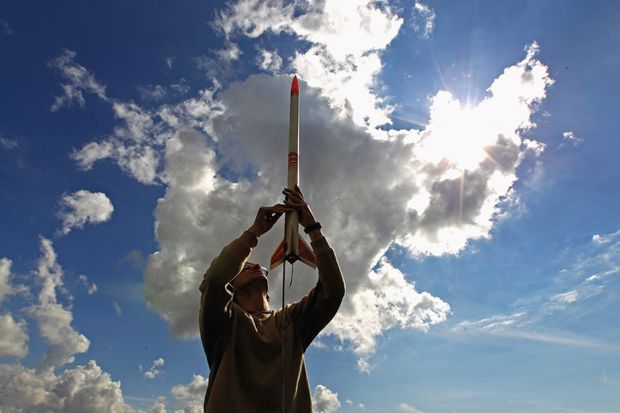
[[313, 312]]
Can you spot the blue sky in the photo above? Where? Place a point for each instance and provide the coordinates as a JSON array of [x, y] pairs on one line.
[[460, 155]]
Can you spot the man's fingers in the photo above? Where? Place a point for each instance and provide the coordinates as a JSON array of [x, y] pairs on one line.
[[297, 206], [274, 216], [276, 207], [293, 194]]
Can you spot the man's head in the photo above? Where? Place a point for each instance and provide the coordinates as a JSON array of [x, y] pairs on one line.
[[252, 287]]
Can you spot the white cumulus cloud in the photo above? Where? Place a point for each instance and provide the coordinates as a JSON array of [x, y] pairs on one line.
[[324, 400], [82, 207], [385, 301], [5, 273], [269, 60], [346, 38], [52, 318], [84, 388], [409, 187], [14, 337], [570, 137], [155, 370], [190, 397]]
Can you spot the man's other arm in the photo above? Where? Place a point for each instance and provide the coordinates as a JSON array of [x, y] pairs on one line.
[[313, 312]]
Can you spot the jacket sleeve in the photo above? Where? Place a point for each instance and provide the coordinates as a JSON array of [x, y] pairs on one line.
[[313, 312], [215, 298]]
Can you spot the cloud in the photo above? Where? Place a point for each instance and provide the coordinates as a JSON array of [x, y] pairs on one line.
[[588, 274], [228, 54], [517, 326], [181, 88], [6, 288], [7, 143], [253, 17], [190, 397], [567, 297], [83, 207], [14, 337], [92, 288], [590, 271], [445, 184], [494, 324], [159, 406], [599, 239], [407, 408], [154, 371], [385, 302], [472, 155], [423, 19], [218, 63], [81, 389], [570, 137], [78, 80], [152, 92], [324, 400], [269, 60], [346, 38], [136, 146], [52, 318], [353, 28]]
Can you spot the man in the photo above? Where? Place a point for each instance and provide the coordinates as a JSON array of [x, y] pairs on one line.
[[242, 338]]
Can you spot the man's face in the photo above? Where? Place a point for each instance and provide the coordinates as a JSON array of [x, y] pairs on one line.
[[251, 275]]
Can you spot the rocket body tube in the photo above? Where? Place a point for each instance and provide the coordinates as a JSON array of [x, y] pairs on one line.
[[291, 225], [293, 247]]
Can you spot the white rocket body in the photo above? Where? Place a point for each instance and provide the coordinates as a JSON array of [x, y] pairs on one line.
[[293, 247]]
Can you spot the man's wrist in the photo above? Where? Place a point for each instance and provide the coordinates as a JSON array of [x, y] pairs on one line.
[[315, 234], [254, 231], [312, 227]]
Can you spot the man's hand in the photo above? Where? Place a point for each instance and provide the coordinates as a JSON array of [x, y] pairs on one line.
[[266, 218], [295, 199]]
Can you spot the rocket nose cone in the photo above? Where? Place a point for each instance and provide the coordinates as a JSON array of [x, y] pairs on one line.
[[295, 86]]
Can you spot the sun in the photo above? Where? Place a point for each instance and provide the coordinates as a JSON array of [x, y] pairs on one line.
[[456, 133]]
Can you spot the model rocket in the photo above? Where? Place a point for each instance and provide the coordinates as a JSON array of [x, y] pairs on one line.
[[293, 247]]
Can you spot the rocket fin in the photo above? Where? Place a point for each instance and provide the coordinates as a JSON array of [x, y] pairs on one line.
[[277, 257], [306, 255]]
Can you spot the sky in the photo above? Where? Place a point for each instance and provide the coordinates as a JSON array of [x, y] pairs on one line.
[[461, 157]]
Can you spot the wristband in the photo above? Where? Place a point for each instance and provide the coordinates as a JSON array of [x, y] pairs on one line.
[[310, 228]]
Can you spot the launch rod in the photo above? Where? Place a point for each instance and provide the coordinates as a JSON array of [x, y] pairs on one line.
[[282, 335]]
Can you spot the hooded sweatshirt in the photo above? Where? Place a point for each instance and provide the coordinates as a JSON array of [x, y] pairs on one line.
[[244, 350]]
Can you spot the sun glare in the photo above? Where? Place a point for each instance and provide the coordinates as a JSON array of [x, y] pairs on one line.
[[455, 133]]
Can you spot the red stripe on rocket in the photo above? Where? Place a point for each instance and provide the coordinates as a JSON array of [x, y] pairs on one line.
[[293, 247]]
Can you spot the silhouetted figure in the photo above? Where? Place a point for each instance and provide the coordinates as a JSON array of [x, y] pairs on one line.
[[242, 337]]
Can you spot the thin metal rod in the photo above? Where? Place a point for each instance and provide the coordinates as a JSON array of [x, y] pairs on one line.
[[282, 331]]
